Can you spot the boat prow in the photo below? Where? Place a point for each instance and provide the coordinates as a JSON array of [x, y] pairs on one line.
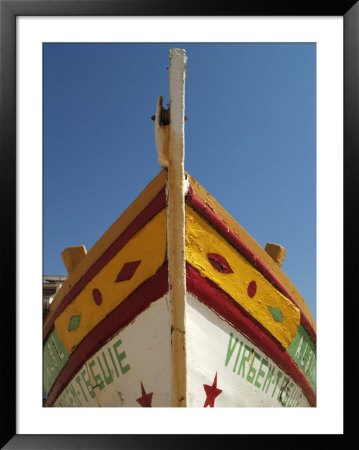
[[177, 305]]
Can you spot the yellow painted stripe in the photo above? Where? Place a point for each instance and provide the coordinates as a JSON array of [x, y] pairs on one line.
[[252, 244], [202, 239], [149, 246], [115, 230]]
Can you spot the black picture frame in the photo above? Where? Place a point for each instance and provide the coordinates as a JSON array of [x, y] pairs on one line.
[[9, 10]]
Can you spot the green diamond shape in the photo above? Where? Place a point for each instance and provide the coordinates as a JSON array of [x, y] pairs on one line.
[[276, 313], [74, 323]]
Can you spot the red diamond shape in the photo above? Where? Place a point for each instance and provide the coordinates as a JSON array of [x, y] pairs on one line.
[[219, 263], [127, 271]]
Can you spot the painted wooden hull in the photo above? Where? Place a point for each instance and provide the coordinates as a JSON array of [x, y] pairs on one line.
[[249, 337]]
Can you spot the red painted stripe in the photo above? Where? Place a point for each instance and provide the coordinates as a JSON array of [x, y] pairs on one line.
[[202, 208], [214, 297], [155, 206], [140, 299]]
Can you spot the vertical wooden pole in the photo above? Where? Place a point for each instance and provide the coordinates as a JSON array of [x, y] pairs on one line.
[[176, 223], [169, 137]]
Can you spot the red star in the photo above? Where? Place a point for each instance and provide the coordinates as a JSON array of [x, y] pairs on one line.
[[146, 399], [212, 392]]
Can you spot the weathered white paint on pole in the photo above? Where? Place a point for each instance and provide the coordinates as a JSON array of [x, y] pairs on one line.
[[169, 136], [176, 222]]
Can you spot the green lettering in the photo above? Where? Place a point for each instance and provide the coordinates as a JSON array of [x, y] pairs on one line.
[[230, 349], [59, 353], [311, 353], [120, 357], [289, 392], [238, 353], [299, 397], [54, 358], [299, 348], [66, 400], [74, 394], [113, 362], [283, 391], [63, 401], [312, 372], [295, 396], [78, 381], [302, 349], [108, 379], [261, 372], [51, 354], [269, 377], [46, 368], [47, 375], [87, 382], [302, 361], [69, 398], [99, 383], [46, 358], [244, 359], [252, 371], [279, 375]]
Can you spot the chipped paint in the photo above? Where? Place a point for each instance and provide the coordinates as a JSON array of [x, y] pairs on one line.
[[202, 201], [125, 313], [112, 377], [230, 311], [150, 201], [239, 374], [202, 239], [276, 252], [176, 223], [149, 246], [72, 256]]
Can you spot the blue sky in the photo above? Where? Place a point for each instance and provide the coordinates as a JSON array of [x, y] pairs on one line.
[[250, 140]]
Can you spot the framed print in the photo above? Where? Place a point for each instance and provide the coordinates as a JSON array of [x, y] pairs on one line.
[[79, 84]]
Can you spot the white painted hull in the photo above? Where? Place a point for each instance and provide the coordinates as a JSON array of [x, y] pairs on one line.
[[134, 366], [140, 353], [211, 350]]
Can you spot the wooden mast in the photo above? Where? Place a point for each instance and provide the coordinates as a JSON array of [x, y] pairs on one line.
[[169, 135]]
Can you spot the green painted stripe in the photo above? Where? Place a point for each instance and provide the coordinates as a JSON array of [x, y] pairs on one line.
[[55, 357], [303, 351]]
